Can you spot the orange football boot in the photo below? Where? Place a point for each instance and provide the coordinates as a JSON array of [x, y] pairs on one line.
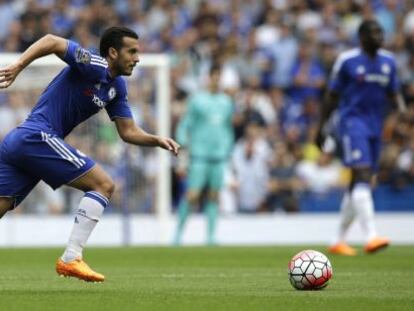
[[342, 248], [79, 269], [376, 244]]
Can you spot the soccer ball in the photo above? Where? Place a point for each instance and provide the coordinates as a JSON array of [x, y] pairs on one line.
[[309, 270]]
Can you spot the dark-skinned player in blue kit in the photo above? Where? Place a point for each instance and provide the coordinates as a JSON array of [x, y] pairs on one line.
[[36, 149], [362, 85]]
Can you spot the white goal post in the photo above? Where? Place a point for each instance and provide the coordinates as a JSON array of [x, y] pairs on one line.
[[47, 67]]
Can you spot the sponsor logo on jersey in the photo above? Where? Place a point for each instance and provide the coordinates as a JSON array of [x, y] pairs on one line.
[[381, 79], [82, 56], [378, 78], [98, 102], [89, 92]]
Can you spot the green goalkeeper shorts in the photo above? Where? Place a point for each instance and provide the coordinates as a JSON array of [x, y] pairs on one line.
[[208, 174]]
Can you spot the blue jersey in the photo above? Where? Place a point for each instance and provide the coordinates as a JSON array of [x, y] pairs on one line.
[[79, 91], [364, 85]]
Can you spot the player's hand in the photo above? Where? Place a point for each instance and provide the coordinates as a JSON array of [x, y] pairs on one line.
[[8, 75], [169, 144]]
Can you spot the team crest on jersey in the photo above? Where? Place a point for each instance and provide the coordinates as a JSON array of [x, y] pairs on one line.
[[356, 154], [385, 68], [112, 93], [82, 56], [360, 70]]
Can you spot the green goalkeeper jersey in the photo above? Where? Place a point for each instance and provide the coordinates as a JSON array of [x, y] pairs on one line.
[[206, 128]]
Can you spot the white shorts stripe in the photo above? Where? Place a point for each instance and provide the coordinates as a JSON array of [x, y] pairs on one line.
[[347, 148], [81, 162], [62, 151], [59, 152]]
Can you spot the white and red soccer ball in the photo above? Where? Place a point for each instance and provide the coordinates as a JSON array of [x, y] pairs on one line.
[[309, 270]]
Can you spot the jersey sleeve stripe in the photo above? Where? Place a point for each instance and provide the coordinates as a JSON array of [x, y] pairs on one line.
[[99, 64], [386, 53], [341, 60], [99, 59]]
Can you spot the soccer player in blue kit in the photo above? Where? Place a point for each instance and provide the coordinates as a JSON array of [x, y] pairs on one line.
[[35, 150], [363, 81]]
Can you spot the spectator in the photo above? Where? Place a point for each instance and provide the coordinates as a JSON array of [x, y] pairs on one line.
[[250, 164], [284, 185], [321, 176]]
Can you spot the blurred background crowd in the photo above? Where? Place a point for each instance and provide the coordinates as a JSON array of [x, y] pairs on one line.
[[276, 57]]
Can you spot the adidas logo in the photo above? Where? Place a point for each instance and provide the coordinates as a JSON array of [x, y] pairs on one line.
[[81, 212]]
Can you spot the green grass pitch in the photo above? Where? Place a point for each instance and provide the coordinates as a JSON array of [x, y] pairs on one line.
[[198, 278]]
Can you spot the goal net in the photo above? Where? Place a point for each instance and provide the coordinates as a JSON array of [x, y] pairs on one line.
[[142, 175]]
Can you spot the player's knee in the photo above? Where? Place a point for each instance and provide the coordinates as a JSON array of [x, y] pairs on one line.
[[106, 187], [361, 175], [193, 197], [213, 196], [6, 204]]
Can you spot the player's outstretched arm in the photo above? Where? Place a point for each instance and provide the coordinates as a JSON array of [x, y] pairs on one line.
[[132, 134], [398, 101], [329, 104], [49, 44]]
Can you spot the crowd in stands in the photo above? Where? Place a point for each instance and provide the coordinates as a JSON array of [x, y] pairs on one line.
[[276, 57]]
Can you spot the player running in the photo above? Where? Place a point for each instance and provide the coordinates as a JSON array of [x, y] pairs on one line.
[[35, 150], [207, 131], [364, 81]]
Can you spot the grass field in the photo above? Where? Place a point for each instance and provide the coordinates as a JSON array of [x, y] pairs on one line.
[[220, 278]]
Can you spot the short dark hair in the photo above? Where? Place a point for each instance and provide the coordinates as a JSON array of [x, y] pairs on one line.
[[112, 37], [365, 25]]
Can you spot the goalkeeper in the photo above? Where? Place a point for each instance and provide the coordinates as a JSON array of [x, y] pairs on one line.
[[206, 131]]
